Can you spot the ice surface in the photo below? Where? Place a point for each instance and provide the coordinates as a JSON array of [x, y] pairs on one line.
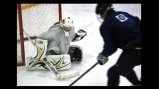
[[82, 15]]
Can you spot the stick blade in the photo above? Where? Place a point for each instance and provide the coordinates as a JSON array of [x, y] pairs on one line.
[[68, 76]]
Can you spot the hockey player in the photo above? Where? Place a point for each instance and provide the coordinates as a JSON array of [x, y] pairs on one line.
[[120, 30], [55, 46]]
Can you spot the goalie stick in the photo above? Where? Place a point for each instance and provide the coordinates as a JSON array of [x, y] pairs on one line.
[[87, 25], [29, 37], [57, 74], [51, 67]]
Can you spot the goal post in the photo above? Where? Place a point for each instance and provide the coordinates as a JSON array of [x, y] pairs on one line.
[[34, 19], [20, 46]]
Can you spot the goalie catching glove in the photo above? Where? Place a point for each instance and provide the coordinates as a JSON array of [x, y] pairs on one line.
[[79, 35]]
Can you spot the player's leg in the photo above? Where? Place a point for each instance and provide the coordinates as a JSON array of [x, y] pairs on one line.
[[124, 66], [113, 77], [132, 77], [134, 57]]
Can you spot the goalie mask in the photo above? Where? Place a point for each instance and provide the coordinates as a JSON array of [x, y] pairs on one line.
[[66, 23]]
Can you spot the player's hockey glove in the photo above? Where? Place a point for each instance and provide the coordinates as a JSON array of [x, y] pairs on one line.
[[102, 59]]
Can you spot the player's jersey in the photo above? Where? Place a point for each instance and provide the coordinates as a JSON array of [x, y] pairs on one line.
[[117, 30], [57, 39]]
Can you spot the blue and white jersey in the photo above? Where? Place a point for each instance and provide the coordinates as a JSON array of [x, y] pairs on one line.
[[117, 30]]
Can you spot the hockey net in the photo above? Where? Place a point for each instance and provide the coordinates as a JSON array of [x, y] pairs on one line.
[[34, 19]]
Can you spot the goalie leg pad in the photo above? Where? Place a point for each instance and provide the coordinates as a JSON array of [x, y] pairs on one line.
[[61, 62], [75, 53], [41, 48], [35, 62]]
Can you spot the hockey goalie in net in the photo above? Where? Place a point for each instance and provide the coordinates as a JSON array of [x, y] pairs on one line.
[[54, 45]]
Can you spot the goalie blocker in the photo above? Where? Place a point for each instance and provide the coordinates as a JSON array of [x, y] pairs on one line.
[[75, 53]]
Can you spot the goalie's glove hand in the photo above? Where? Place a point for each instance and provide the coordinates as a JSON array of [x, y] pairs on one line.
[[102, 59], [81, 33]]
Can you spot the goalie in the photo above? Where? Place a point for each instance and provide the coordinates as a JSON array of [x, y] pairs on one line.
[[55, 46]]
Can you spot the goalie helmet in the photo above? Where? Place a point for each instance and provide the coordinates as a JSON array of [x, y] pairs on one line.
[[66, 23]]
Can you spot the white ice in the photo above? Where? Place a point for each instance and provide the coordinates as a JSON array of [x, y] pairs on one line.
[[82, 14]]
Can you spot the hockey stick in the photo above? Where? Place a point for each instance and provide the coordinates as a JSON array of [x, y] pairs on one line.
[[57, 74], [84, 27], [29, 37], [83, 74]]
